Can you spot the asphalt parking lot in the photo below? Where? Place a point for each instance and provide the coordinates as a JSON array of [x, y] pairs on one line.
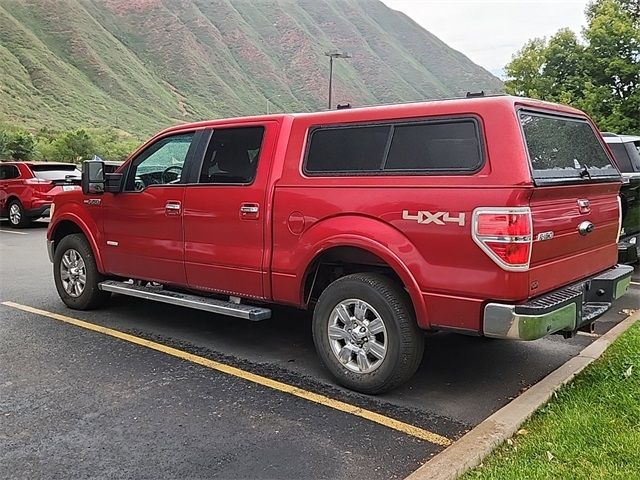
[[77, 402]]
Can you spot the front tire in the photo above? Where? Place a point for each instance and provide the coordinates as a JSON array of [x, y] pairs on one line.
[[366, 334], [76, 274], [17, 217]]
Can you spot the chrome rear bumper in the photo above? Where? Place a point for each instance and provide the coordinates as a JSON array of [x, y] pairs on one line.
[[563, 310]]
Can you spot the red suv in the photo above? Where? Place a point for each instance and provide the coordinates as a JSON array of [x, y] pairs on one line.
[[27, 188]]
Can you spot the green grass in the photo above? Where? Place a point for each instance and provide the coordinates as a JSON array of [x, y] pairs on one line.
[[590, 430]]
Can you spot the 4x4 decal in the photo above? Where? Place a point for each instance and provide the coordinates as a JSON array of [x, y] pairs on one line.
[[439, 218]]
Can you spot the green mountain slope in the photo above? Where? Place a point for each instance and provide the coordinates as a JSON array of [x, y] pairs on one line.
[[144, 64]]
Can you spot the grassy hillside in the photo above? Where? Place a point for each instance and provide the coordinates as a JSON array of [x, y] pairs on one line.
[[144, 64]]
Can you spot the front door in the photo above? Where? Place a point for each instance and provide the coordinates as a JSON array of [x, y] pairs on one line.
[[143, 223], [225, 209]]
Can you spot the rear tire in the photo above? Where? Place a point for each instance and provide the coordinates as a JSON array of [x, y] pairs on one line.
[[17, 217], [366, 334], [76, 274]]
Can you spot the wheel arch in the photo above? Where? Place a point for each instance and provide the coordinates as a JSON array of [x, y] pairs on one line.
[[69, 224], [10, 198], [359, 246]]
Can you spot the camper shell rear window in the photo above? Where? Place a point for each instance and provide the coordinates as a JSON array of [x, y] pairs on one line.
[[564, 149]]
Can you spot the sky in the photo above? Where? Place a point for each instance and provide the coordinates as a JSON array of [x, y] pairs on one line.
[[490, 32]]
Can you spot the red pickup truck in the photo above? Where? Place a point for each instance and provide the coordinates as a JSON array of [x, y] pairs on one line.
[[493, 216]]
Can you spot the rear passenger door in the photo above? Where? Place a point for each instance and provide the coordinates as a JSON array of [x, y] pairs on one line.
[[225, 207]]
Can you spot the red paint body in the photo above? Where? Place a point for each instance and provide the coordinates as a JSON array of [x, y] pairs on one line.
[[211, 246], [33, 194]]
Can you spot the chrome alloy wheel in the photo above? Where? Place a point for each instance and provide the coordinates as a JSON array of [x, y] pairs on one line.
[[14, 214], [73, 273], [357, 335]]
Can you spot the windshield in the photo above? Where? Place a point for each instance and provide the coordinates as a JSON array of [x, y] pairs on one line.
[[55, 172], [562, 148]]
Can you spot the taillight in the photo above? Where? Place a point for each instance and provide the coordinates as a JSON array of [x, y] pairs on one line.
[[39, 184], [505, 234]]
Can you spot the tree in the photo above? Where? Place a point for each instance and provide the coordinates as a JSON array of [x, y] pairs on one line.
[[5, 153], [600, 75], [73, 146], [21, 145]]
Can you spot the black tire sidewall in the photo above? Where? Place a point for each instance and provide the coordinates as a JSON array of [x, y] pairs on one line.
[[92, 296], [382, 378]]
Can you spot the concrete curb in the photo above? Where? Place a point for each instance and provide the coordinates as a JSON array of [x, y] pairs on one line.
[[473, 447]]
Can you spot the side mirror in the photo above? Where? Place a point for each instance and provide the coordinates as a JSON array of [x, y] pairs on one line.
[[93, 177], [113, 182]]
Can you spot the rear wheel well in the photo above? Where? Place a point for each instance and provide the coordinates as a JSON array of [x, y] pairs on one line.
[[338, 262], [10, 199], [4, 211]]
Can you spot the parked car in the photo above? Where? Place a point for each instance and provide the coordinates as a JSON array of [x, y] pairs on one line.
[[493, 216], [27, 188], [626, 153]]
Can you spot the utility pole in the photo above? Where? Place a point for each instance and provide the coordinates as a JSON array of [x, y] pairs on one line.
[[333, 54]]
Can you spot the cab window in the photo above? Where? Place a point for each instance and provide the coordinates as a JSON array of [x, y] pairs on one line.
[[232, 156], [160, 164]]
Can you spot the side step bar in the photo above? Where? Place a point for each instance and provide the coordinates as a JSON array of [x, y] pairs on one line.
[[186, 300]]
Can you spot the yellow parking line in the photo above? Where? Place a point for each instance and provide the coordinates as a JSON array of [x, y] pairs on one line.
[[248, 376], [635, 283]]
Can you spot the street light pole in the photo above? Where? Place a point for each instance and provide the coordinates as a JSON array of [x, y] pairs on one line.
[[333, 54], [330, 78]]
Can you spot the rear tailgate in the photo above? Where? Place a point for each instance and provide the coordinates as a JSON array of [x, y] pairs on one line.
[[54, 178], [574, 205]]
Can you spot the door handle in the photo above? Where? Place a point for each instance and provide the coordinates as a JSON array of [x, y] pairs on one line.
[[249, 211], [172, 208]]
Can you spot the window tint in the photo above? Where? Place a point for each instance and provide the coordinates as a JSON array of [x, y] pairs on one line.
[[564, 148], [351, 149], [448, 146], [232, 156], [160, 164], [55, 172], [9, 172], [633, 148], [434, 146], [622, 158]]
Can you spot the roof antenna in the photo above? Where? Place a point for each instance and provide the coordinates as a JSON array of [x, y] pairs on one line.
[[343, 106], [475, 94]]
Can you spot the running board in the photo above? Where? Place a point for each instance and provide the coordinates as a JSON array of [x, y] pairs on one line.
[[207, 304]]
